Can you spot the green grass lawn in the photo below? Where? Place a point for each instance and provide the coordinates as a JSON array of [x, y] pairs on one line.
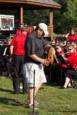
[[53, 101]]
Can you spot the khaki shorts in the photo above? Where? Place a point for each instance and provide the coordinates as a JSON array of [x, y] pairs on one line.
[[34, 79]]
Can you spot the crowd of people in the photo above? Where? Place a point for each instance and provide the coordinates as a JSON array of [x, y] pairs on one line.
[[33, 58], [66, 61]]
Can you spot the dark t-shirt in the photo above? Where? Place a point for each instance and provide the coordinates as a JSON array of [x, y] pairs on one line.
[[34, 45]]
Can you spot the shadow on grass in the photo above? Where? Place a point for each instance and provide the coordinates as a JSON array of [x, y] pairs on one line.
[[6, 90], [15, 103], [9, 101]]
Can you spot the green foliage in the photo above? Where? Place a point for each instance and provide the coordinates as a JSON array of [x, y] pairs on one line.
[[67, 16], [71, 14], [33, 17]]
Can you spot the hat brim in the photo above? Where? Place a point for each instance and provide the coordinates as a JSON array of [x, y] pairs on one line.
[[46, 33]]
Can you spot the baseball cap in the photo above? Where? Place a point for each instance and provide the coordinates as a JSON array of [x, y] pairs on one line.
[[44, 28]]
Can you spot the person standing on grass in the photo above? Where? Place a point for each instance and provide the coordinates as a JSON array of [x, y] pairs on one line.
[[17, 52], [34, 61]]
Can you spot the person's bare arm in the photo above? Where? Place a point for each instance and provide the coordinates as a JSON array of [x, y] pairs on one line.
[[11, 49], [38, 59]]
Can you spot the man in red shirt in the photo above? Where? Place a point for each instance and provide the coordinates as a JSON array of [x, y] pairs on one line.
[[18, 30], [18, 53]]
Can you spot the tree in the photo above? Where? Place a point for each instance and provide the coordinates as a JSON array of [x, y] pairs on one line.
[[33, 17], [66, 18], [71, 13]]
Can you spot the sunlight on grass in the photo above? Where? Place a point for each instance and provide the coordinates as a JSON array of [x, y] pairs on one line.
[[53, 101]]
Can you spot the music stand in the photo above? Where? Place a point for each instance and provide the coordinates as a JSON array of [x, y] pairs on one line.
[[61, 58]]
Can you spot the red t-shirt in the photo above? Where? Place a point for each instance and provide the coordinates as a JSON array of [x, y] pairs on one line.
[[72, 37], [18, 31], [19, 44], [72, 59]]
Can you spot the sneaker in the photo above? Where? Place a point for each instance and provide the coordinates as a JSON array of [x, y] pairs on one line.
[[31, 106], [35, 105]]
